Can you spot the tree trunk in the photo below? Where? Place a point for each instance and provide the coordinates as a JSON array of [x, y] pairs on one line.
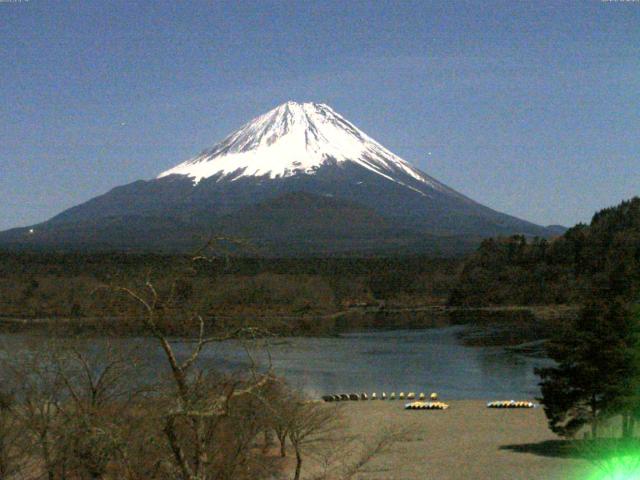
[[51, 475], [202, 458], [628, 425], [174, 445], [283, 446], [268, 440], [594, 418], [298, 465]]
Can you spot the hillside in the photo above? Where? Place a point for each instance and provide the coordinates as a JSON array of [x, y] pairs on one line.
[[297, 180], [513, 270]]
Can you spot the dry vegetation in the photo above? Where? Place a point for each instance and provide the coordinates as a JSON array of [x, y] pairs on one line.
[[77, 409], [73, 409], [305, 296]]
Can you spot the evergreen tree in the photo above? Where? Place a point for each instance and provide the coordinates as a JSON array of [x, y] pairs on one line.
[[597, 372], [624, 396]]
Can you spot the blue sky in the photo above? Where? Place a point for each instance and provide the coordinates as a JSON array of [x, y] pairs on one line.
[[531, 108]]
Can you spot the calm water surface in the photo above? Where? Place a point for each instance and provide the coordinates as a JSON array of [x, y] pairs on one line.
[[402, 360], [430, 360]]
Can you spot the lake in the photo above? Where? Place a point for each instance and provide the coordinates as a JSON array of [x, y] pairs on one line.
[[429, 360], [425, 360]]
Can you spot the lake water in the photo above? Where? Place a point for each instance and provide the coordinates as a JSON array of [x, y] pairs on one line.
[[430, 360]]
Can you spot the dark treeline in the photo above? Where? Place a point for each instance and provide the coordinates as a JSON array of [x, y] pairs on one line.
[[64, 263], [63, 285], [564, 270], [597, 371], [595, 381]]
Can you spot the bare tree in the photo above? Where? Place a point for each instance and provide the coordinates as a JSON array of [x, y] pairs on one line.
[[72, 401], [371, 450], [101, 382], [309, 423], [87, 411], [198, 406], [318, 431], [39, 388], [277, 399], [348, 456], [11, 459]]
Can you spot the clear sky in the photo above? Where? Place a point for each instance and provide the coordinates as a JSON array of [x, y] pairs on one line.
[[532, 108]]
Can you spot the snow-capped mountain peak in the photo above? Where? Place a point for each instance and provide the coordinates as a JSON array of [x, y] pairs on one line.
[[294, 139], [298, 180]]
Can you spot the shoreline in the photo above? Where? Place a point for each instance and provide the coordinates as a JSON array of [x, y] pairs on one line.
[[534, 322]]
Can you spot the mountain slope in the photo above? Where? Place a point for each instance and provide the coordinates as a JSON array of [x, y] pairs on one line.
[[287, 171], [295, 139]]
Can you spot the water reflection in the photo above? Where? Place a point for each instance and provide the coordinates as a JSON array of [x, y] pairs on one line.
[[412, 360]]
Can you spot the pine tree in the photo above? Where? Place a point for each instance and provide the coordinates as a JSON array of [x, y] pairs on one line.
[[597, 371]]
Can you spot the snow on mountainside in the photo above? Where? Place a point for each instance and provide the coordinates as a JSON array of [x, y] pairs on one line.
[[298, 138], [299, 179]]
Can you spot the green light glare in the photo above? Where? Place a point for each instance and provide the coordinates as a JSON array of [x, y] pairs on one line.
[[616, 467]]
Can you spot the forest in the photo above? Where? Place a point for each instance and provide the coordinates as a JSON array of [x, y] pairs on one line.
[[306, 293], [520, 271], [510, 271]]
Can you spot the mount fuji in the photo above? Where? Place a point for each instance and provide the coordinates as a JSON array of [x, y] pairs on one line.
[[300, 179]]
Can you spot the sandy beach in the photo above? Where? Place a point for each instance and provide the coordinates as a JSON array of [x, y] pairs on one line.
[[467, 441]]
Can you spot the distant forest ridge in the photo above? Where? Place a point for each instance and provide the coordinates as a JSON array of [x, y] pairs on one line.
[[514, 271], [68, 286], [502, 272]]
